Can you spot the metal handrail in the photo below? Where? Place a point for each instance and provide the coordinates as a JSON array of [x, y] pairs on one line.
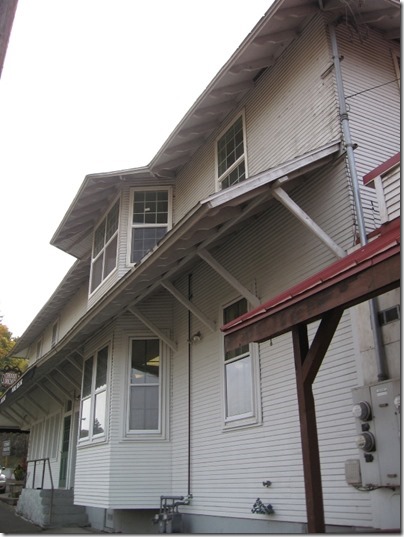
[[44, 461]]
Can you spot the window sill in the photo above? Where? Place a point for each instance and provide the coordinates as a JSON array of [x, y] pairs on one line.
[[242, 423]]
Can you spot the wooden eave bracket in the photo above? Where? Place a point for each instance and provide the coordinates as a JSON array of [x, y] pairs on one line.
[[230, 279], [50, 394], [280, 195], [159, 333], [189, 305]]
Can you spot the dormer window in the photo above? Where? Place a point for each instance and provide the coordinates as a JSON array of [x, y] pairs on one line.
[[150, 220], [105, 247], [231, 165]]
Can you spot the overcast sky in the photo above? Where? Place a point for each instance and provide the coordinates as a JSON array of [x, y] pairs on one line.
[[92, 86]]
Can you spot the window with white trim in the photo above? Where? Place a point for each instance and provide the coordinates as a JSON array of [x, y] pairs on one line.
[[94, 396], [240, 375], [105, 245], [230, 155], [150, 220], [145, 386]]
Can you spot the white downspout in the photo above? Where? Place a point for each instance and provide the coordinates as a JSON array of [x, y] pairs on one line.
[[377, 337]]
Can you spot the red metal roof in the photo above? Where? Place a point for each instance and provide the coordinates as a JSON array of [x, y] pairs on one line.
[[379, 249], [382, 168]]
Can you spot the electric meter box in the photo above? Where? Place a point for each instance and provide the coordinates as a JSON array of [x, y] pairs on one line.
[[377, 415]]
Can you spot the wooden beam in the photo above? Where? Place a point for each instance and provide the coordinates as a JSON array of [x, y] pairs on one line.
[[309, 437], [230, 279], [189, 305], [153, 328], [321, 342], [370, 282], [280, 195], [50, 394]]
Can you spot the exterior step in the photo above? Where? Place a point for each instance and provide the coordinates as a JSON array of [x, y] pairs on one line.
[[48, 510]]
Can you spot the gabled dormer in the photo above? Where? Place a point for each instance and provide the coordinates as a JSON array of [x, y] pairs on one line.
[[115, 219]]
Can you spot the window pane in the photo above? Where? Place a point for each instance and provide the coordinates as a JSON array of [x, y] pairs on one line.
[[150, 207], [110, 256], [144, 239], [229, 314], [87, 377], [144, 408], [230, 147], [112, 221], [102, 365], [96, 275], [85, 418], [99, 413], [99, 238], [239, 387], [236, 176], [145, 365]]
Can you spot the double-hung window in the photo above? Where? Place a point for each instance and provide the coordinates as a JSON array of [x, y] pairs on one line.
[[240, 401], [231, 162], [150, 220], [94, 396], [145, 387], [105, 247]]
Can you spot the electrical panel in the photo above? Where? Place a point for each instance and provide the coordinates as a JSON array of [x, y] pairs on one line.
[[376, 409]]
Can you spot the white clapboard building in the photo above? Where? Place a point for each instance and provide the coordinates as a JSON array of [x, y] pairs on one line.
[[159, 396]]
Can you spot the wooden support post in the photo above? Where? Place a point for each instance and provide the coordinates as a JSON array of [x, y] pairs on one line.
[[307, 363], [308, 431]]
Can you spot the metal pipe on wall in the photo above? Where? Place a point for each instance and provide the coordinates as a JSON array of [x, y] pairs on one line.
[[377, 336]]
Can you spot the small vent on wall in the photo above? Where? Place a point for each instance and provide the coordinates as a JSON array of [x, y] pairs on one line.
[[389, 315]]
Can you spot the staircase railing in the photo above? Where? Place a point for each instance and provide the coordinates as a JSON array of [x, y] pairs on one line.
[[45, 462]]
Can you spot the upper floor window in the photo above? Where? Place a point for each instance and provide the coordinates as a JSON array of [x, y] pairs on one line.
[[231, 165], [94, 396], [105, 247], [240, 375], [150, 220]]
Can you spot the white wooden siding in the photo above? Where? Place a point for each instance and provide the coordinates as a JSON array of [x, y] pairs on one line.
[[137, 471], [373, 100], [392, 191], [292, 94]]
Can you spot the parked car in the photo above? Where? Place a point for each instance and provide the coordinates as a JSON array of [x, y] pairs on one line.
[[2, 480]]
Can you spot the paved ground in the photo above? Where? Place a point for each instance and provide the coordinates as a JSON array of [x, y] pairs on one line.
[[12, 523]]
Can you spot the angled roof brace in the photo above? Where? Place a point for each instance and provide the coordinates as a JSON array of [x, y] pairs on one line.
[[37, 405], [59, 386], [153, 328], [70, 379], [50, 394], [189, 305], [230, 279], [280, 195]]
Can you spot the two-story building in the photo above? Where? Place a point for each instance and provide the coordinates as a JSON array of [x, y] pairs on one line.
[[131, 393]]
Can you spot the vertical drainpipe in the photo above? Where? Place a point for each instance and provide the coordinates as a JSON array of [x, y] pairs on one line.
[[189, 383], [377, 337]]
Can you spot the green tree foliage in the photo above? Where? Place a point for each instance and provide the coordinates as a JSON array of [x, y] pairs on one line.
[[7, 342]]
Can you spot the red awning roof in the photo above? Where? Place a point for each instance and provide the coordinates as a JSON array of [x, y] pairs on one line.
[[384, 246]]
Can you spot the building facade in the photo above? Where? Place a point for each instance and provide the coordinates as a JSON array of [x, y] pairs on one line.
[[130, 394]]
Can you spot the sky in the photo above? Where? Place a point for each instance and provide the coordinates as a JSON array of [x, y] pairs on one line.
[[92, 86]]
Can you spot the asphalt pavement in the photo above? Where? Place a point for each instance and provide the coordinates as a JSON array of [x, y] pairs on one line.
[[12, 523]]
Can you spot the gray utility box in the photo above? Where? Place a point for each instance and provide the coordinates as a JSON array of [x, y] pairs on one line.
[[376, 411]]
